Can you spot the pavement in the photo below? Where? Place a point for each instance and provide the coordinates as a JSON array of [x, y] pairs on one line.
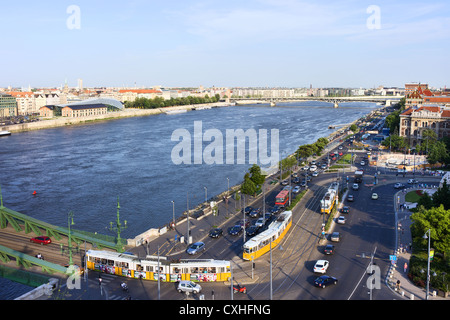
[[408, 290]]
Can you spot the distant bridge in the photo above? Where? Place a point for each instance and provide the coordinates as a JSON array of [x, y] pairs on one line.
[[387, 100]]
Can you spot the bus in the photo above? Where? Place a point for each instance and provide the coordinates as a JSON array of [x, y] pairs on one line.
[[282, 198]]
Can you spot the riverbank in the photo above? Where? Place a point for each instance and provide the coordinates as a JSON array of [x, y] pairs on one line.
[[126, 113]]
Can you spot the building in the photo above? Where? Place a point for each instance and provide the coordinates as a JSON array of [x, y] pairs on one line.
[[8, 105], [50, 111], [83, 110], [413, 121]]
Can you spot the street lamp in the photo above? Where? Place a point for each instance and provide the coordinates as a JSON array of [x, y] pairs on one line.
[[173, 212], [428, 261], [69, 223]]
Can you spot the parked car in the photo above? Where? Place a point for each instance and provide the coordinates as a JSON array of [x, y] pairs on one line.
[[321, 266], [374, 196], [335, 237], [215, 233], [41, 240], [235, 230], [188, 286], [196, 248], [329, 249], [324, 280]]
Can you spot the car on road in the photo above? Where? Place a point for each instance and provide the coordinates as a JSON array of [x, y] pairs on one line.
[[323, 166], [252, 230], [196, 248], [355, 186], [350, 198], [255, 212], [315, 173], [412, 181], [341, 220], [248, 209], [235, 230], [363, 163], [284, 183], [313, 168], [296, 189], [321, 266], [374, 196], [345, 209], [244, 223], [188, 286], [215, 233], [399, 185], [260, 222], [329, 249], [275, 209], [41, 240], [325, 280], [335, 237]]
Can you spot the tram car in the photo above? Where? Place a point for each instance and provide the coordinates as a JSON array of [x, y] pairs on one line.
[[260, 244], [330, 198], [130, 265]]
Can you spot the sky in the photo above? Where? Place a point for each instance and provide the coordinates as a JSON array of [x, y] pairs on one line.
[[245, 43]]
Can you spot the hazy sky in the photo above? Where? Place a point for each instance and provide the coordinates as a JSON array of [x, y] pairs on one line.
[[275, 43]]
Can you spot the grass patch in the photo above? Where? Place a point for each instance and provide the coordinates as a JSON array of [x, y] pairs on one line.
[[413, 196]]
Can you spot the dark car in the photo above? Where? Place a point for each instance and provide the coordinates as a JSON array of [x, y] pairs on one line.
[[247, 210], [254, 213], [244, 223], [329, 249], [215, 233], [235, 230], [41, 240], [275, 209], [325, 280], [345, 209], [252, 230]]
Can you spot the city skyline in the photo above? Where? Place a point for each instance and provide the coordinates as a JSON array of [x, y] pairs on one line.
[[260, 43]]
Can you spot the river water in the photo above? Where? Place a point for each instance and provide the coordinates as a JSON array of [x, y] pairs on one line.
[[85, 168]]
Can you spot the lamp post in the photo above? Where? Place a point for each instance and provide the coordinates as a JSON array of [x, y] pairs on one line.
[[428, 261], [173, 212], [69, 223], [119, 227]]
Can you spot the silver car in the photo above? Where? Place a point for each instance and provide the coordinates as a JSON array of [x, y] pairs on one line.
[[188, 286], [196, 248]]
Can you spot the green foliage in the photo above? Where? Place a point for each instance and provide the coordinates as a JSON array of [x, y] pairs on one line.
[[159, 102]]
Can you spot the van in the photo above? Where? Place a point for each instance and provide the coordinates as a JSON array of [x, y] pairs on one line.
[[188, 286]]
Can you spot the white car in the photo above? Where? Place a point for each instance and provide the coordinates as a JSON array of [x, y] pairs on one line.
[[313, 168], [374, 196], [296, 189], [321, 266], [355, 186], [363, 163], [341, 220], [188, 286], [259, 222], [315, 174]]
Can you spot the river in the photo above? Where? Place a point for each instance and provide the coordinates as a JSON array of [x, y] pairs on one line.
[[85, 168]]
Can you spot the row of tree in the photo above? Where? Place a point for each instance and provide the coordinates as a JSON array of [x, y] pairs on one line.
[[159, 102]]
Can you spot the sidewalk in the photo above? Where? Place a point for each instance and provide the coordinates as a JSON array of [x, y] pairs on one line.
[[408, 290]]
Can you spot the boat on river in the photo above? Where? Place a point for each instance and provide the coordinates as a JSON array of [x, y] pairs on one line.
[[4, 133]]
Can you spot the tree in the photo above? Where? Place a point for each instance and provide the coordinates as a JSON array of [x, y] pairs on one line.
[[256, 176], [437, 152], [248, 186], [353, 127], [436, 219], [442, 196]]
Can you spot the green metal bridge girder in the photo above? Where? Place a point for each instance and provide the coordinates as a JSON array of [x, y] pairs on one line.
[[16, 219], [28, 261]]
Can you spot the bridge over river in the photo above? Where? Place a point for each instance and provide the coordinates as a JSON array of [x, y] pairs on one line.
[[386, 100]]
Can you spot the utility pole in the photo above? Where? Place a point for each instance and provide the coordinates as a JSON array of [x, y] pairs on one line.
[[69, 223], [118, 228]]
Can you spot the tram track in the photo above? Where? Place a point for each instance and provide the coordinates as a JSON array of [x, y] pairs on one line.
[[300, 241]]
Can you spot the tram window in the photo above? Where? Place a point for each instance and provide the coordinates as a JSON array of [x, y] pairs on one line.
[[212, 270], [104, 261], [149, 268], [176, 270], [110, 262]]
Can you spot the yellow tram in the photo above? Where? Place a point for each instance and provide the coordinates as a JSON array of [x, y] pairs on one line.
[[260, 244], [129, 265]]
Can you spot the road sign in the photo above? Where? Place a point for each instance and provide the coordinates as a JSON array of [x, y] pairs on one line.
[[393, 257]]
